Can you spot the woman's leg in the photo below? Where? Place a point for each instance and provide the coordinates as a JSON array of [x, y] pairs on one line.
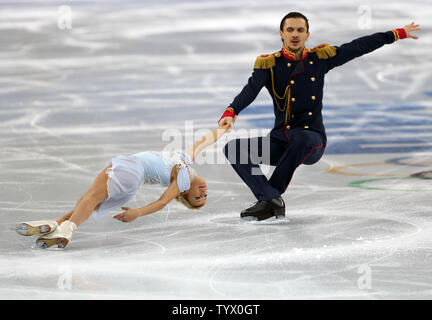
[[68, 215], [89, 201], [83, 209], [64, 218]]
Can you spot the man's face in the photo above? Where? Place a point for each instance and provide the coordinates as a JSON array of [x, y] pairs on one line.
[[294, 34]]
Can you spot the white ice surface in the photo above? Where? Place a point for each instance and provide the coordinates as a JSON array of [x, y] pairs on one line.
[[128, 71]]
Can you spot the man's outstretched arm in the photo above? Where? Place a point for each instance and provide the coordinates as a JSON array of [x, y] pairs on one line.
[[256, 82], [363, 45]]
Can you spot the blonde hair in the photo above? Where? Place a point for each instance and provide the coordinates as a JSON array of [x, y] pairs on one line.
[[180, 198]]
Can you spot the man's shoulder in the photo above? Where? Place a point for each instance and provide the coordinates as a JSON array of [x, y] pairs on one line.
[[323, 51], [266, 61]]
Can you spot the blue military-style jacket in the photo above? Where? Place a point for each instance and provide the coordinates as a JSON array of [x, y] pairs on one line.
[[296, 87]]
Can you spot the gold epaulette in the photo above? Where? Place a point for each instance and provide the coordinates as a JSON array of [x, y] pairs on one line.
[[324, 51], [266, 61]]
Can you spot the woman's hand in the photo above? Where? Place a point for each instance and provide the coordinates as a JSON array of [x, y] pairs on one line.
[[226, 123], [128, 216], [410, 28]]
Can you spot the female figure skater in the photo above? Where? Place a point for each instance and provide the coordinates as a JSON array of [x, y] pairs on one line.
[[117, 184]]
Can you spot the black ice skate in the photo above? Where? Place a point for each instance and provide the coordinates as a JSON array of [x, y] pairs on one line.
[[265, 209]]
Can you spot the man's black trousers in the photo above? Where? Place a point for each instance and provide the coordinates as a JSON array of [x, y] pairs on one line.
[[301, 146]]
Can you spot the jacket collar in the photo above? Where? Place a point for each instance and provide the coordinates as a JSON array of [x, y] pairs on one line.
[[290, 55]]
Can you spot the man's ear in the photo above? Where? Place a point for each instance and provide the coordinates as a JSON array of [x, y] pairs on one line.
[[281, 35], [307, 35]]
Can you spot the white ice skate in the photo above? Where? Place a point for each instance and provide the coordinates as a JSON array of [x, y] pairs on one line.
[[60, 237], [31, 228]]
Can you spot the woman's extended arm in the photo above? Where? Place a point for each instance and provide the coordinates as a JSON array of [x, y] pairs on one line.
[[206, 140], [131, 214]]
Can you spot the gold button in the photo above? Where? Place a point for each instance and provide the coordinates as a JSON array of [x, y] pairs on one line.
[[288, 127], [292, 81], [313, 98], [292, 116], [310, 62], [293, 99], [313, 78], [288, 65], [310, 113], [306, 127]]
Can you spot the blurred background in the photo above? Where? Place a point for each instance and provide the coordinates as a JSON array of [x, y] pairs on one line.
[[83, 81]]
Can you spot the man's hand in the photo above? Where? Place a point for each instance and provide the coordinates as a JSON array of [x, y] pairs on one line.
[[410, 28], [127, 216], [227, 123]]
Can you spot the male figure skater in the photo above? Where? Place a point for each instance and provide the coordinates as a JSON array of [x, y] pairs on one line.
[[294, 77]]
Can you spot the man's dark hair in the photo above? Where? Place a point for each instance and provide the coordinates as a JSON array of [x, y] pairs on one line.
[[294, 15]]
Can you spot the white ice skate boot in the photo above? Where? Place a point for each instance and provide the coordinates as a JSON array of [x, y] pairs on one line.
[[31, 228], [60, 237]]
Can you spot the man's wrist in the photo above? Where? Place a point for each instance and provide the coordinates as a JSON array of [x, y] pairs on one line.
[[229, 112], [399, 33]]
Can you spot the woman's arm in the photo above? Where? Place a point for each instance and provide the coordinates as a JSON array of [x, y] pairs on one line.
[[206, 140], [131, 214]]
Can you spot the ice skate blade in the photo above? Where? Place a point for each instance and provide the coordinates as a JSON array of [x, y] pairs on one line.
[[278, 220], [249, 218], [25, 229], [265, 216], [60, 243]]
